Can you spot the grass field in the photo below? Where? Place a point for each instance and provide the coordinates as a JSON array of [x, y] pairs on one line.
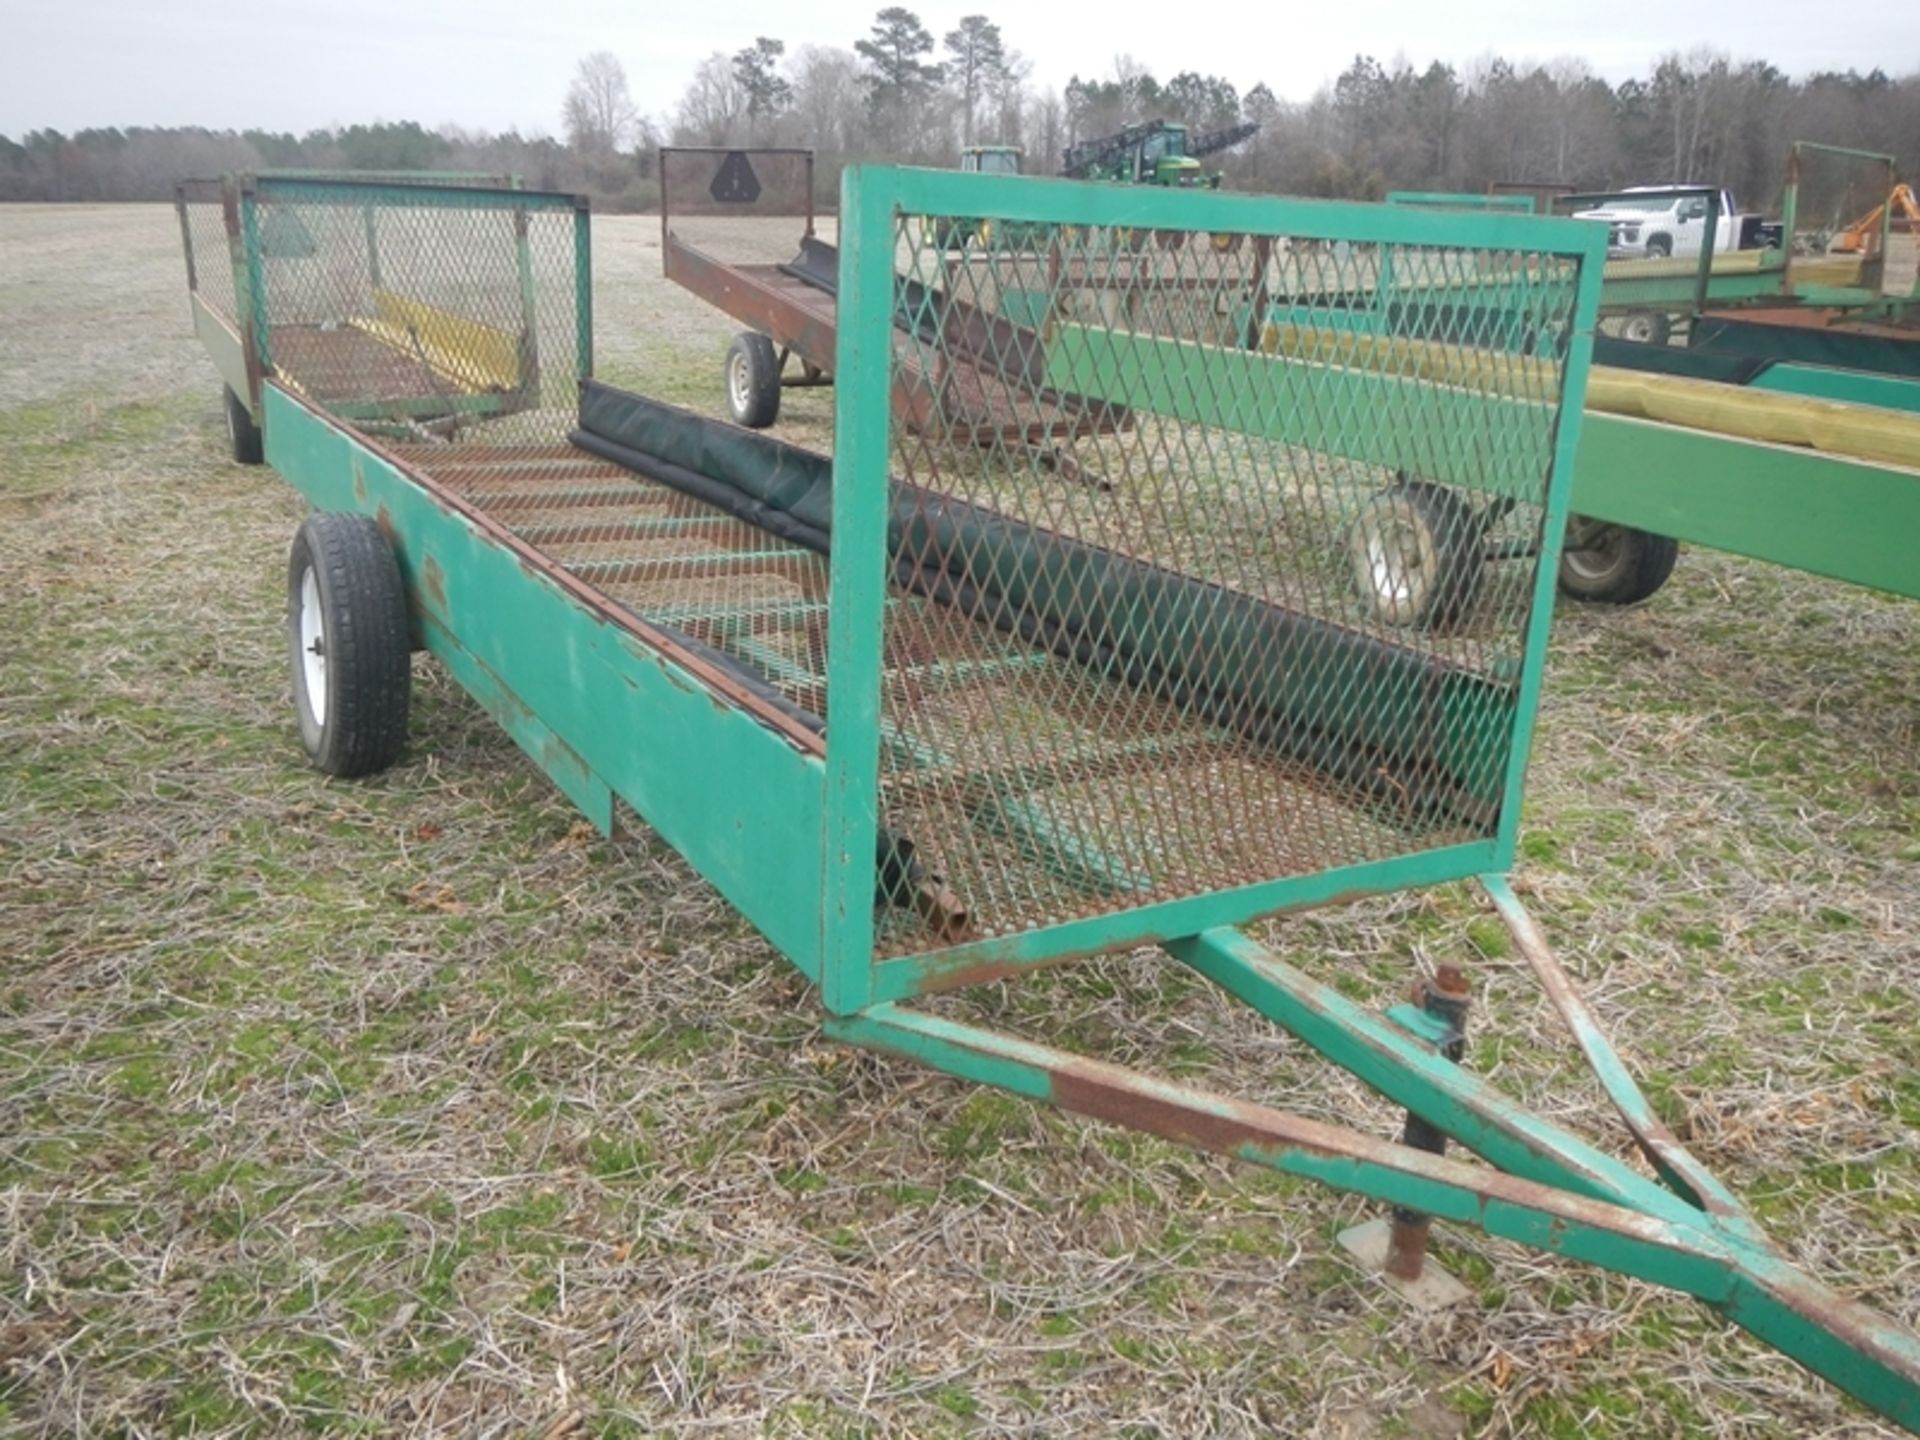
[[412, 1106]]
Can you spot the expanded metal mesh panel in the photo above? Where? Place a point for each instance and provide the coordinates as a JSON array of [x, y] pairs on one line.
[[209, 255], [1213, 555], [442, 323], [431, 313]]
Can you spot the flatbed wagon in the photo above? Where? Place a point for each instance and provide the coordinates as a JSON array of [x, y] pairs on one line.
[[930, 716], [984, 385]]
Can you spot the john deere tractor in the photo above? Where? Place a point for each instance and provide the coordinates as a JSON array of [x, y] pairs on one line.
[[957, 234], [1158, 152]]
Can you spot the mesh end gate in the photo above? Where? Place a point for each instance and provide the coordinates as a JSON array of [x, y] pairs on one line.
[[936, 713]]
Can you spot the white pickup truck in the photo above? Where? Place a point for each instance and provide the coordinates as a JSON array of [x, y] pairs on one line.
[[1664, 224]]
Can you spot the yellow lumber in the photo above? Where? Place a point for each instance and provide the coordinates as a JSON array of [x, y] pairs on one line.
[[1885, 437], [463, 352]]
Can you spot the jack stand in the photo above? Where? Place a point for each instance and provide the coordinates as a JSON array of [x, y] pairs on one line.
[[1397, 1247]]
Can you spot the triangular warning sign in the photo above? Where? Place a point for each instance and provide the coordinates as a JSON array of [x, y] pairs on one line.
[[735, 183]]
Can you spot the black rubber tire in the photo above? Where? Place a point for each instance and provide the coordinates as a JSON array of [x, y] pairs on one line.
[[358, 724], [1614, 564], [753, 381], [1646, 327], [242, 433], [1660, 247], [1449, 553]]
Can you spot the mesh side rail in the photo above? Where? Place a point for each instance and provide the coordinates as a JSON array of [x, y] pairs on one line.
[[418, 312], [1294, 607], [202, 206]]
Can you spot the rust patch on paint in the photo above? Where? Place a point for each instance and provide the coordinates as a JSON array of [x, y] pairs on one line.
[[433, 580]]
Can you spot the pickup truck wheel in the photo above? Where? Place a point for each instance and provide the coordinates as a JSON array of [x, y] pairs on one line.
[[1659, 247], [753, 381], [1646, 327], [1415, 552], [1613, 564], [348, 641], [242, 434]]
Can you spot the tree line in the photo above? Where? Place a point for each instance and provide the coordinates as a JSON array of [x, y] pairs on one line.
[[907, 92]]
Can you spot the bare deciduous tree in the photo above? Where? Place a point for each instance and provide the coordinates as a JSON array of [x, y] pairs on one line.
[[600, 114]]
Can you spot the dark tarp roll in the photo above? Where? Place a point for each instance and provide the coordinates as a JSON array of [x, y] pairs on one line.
[[1804, 345], [1360, 709], [1671, 360]]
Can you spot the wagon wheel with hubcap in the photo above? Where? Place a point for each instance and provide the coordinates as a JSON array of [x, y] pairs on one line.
[[1613, 564], [242, 434], [349, 643], [753, 381], [1646, 327], [1415, 553]]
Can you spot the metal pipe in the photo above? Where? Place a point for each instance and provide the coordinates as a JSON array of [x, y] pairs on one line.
[[1445, 997]]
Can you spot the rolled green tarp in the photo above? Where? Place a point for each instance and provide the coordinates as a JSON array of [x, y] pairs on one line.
[[1356, 708]]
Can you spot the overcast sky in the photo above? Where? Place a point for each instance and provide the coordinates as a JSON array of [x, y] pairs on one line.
[[286, 65]]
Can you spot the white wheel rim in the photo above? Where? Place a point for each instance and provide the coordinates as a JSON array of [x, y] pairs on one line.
[[1399, 561], [233, 432], [313, 648], [739, 383], [1594, 552]]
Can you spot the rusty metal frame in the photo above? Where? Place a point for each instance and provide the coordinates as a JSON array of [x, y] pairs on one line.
[[1542, 1185]]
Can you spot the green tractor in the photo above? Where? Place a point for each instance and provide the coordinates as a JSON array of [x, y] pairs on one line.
[[957, 233], [1158, 152]]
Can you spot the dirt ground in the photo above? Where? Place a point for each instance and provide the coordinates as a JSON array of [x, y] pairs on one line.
[[411, 1106]]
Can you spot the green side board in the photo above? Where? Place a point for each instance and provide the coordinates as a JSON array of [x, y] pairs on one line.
[[1845, 387], [598, 710], [1845, 519], [1459, 437], [223, 347]]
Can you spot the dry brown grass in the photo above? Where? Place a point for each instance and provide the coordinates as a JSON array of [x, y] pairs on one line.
[[410, 1106]]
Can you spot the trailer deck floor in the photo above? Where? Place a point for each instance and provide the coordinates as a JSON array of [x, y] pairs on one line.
[[1026, 779], [345, 363]]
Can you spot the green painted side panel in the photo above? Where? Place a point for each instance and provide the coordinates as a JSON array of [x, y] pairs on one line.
[[1677, 292], [1461, 437], [589, 793], [1151, 924], [742, 805], [1849, 387], [1846, 519], [1841, 518], [223, 347]]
